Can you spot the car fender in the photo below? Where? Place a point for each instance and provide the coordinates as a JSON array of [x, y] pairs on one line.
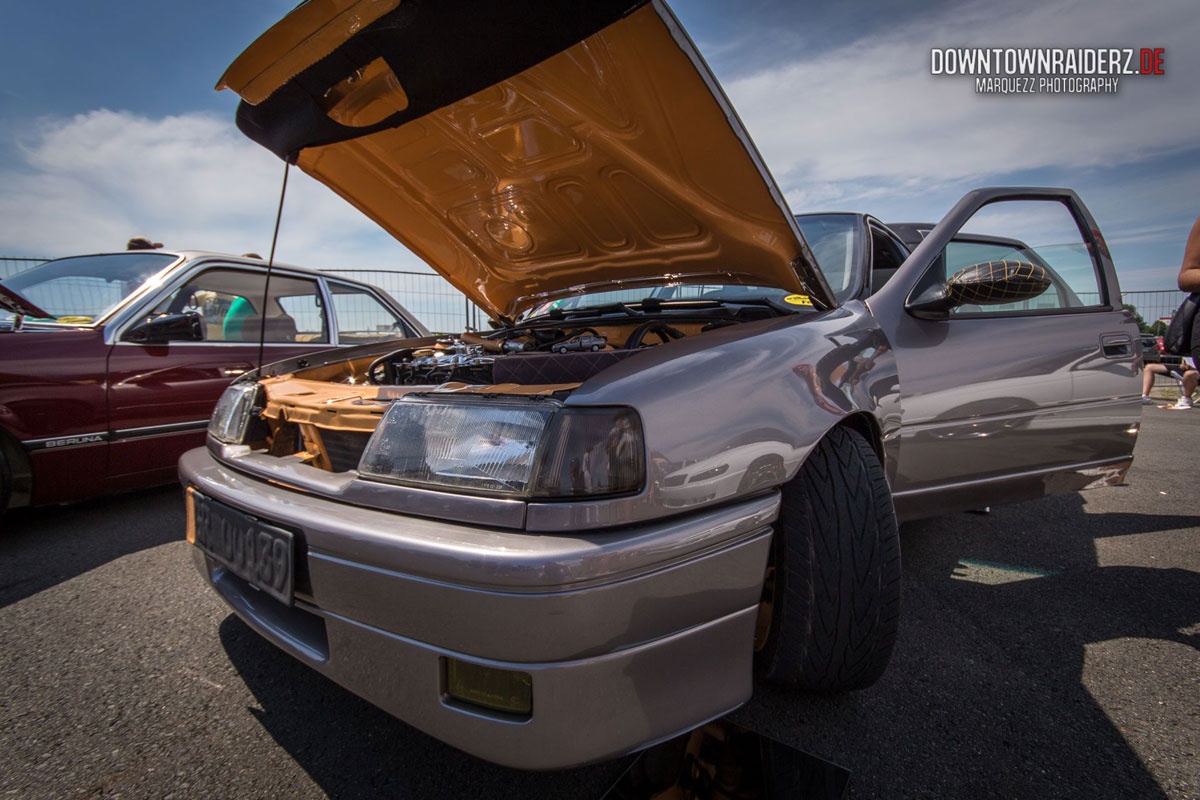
[[770, 386]]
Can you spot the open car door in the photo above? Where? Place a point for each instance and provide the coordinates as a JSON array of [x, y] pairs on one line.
[[1017, 360]]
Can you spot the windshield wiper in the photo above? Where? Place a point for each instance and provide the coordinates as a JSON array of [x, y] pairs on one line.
[[723, 302], [584, 311], [655, 305]]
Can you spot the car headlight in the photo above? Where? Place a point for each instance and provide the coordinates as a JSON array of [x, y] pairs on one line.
[[232, 414], [527, 448]]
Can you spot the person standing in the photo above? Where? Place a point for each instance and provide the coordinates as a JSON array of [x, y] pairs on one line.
[[1189, 279], [1189, 273], [142, 243]]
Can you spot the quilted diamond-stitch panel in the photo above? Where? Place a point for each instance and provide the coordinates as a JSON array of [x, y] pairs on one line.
[[993, 282], [542, 368]]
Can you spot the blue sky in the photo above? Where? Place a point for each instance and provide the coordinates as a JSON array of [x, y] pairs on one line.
[[109, 125]]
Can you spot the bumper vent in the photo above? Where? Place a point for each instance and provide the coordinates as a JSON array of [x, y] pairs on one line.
[[344, 448]]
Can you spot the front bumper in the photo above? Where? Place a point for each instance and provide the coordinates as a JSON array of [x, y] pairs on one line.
[[630, 636]]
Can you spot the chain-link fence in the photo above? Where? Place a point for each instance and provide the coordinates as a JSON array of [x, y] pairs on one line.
[[11, 265], [1155, 306], [444, 309], [1152, 306], [429, 297]]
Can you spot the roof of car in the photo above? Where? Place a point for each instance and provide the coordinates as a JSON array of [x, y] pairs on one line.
[[204, 255], [911, 233]]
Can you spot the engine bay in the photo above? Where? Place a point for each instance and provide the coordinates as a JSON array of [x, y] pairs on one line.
[[325, 413], [553, 349]]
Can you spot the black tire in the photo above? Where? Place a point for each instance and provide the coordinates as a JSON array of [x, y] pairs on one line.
[[833, 585]]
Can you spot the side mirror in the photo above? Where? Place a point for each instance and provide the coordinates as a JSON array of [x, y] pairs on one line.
[[163, 328], [988, 283]]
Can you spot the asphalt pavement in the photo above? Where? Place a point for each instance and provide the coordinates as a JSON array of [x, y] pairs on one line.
[[1047, 649]]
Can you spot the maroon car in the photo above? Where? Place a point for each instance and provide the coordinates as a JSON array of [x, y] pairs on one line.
[[110, 364]]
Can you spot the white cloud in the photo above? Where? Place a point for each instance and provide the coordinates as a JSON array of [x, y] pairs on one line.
[[866, 119], [193, 181], [854, 126]]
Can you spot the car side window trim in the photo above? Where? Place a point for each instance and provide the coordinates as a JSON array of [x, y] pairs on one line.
[[335, 330], [972, 202], [875, 226], [410, 330], [1028, 312], [117, 328]]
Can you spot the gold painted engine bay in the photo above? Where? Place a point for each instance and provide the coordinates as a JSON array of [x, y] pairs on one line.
[[325, 414]]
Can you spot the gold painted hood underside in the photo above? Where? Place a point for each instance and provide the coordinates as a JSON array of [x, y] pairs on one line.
[[615, 163]]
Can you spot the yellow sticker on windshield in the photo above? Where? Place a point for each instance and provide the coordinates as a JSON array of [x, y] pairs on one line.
[[797, 300]]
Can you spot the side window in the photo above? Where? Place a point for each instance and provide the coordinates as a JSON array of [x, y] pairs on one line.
[[1042, 233], [886, 257], [361, 317], [230, 302]]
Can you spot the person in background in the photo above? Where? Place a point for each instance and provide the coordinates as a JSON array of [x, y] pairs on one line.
[[142, 243], [1185, 373]]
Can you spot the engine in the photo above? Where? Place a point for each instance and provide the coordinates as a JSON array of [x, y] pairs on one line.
[[542, 355], [446, 360]]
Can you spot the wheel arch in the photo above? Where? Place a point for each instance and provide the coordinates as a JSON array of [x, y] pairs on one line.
[[19, 491], [868, 427], [862, 422]]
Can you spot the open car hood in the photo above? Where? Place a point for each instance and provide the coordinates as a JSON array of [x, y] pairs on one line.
[[526, 150], [14, 302]]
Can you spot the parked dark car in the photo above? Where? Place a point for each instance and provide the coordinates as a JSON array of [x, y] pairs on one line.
[[1152, 351], [111, 368]]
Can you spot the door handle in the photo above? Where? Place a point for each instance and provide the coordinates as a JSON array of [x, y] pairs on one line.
[[232, 372], [1116, 345]]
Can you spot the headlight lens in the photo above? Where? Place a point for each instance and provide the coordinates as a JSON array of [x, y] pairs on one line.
[[530, 448], [232, 414]]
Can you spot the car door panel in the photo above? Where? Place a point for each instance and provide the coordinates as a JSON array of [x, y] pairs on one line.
[[993, 408], [54, 407], [162, 395], [1011, 406]]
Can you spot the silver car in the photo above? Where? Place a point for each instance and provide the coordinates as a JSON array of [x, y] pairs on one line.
[[546, 558]]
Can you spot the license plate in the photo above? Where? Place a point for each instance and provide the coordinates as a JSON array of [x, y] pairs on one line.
[[258, 553]]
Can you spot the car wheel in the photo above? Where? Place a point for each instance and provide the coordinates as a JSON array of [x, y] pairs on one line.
[[831, 598]]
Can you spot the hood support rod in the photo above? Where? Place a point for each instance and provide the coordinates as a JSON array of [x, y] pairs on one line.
[[262, 317]]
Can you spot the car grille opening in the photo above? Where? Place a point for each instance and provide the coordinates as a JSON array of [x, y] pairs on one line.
[[344, 448]]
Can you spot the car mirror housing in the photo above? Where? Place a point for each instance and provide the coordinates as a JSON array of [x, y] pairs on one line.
[[992, 283], [983, 284], [163, 328]]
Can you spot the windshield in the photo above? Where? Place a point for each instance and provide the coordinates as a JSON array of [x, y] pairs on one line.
[[83, 289], [834, 241]]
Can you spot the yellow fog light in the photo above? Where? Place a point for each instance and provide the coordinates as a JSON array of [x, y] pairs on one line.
[[498, 689]]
